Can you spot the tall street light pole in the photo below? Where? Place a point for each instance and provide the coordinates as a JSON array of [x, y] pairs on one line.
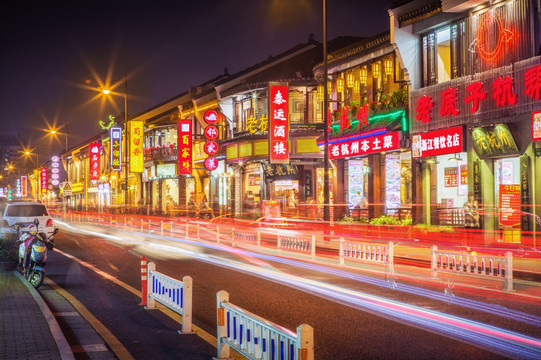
[[326, 185]]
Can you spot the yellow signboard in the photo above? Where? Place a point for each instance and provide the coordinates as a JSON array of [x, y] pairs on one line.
[[136, 146]]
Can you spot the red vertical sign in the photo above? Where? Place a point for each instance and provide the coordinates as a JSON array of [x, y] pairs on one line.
[[185, 147], [94, 161], [510, 205], [278, 123], [43, 180], [24, 190]]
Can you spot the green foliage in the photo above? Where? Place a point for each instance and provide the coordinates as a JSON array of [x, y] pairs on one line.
[[434, 228], [347, 219], [8, 249], [385, 220]]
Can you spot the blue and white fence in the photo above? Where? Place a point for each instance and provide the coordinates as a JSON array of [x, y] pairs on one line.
[[257, 338], [175, 294], [243, 238], [355, 251], [489, 266], [297, 244]]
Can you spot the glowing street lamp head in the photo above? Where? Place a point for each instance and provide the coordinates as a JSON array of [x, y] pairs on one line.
[[106, 91]]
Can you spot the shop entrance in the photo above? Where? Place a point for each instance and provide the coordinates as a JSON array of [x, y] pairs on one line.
[[507, 198], [286, 192]]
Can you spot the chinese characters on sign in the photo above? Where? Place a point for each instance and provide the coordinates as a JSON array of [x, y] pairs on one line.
[[509, 205], [43, 179], [450, 177], [278, 123], [440, 142], [211, 146], [185, 147], [94, 155], [496, 140], [136, 146], [367, 145], [55, 164], [536, 126], [116, 149]]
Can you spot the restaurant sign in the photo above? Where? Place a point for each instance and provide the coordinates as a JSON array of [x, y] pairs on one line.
[[278, 123], [94, 155], [185, 163], [349, 147], [280, 171], [439, 142], [493, 141], [136, 146], [116, 149]]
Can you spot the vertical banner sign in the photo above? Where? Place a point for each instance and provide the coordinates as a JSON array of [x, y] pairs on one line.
[[94, 161], [509, 205], [278, 123], [308, 184], [476, 180], [211, 134], [136, 146], [526, 220], [24, 189], [185, 147], [116, 149], [536, 126], [43, 180]]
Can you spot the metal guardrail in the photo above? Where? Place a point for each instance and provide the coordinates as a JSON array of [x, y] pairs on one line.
[[175, 294], [245, 238], [356, 251], [297, 244], [491, 266], [257, 338]]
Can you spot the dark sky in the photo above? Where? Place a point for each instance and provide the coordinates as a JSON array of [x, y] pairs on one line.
[[56, 53]]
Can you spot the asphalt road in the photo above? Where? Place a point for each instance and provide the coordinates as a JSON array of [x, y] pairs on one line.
[[340, 331]]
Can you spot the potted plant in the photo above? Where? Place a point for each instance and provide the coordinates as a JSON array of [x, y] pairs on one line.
[[8, 254]]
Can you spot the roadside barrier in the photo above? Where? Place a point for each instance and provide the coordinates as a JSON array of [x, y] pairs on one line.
[[207, 233], [297, 244], [245, 238], [257, 338], [175, 294], [489, 266], [143, 281], [378, 253]]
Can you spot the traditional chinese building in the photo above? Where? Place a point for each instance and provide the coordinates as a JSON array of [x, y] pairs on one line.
[[368, 139], [475, 73]]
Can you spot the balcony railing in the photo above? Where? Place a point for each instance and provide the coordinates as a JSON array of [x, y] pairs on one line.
[[163, 153]]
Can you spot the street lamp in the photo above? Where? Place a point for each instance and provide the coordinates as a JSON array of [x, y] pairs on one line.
[[125, 94], [326, 193]]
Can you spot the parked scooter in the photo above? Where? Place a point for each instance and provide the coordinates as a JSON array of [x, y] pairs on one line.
[[33, 253]]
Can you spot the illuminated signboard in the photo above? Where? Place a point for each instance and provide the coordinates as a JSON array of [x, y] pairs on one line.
[[278, 123], [116, 149], [211, 147], [94, 156], [136, 146], [55, 164], [536, 126], [24, 188], [211, 116], [211, 134], [185, 164], [439, 142], [509, 213], [43, 180], [211, 163], [491, 141], [341, 148]]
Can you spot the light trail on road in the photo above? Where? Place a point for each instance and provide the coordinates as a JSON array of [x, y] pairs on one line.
[[484, 336]]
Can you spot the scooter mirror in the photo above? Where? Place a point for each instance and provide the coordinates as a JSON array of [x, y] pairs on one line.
[[36, 222], [55, 231]]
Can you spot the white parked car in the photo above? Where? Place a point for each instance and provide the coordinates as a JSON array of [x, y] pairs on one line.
[[25, 212]]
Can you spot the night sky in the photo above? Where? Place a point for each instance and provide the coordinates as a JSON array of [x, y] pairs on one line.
[[55, 54]]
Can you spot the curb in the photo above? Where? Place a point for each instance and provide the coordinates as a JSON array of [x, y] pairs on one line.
[[58, 335]]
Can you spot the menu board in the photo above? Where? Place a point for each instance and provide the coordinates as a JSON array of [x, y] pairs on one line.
[[392, 181], [509, 205], [450, 176], [356, 184]]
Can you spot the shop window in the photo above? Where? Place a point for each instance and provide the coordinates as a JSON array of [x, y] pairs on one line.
[[443, 55], [296, 107], [398, 184], [507, 197], [252, 184], [451, 188]]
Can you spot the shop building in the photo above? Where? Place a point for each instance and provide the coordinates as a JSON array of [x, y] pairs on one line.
[[473, 110], [368, 140]]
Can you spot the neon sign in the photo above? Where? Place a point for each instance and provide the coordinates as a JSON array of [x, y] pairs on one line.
[[116, 149], [94, 161], [491, 23], [185, 147], [279, 123], [109, 125]]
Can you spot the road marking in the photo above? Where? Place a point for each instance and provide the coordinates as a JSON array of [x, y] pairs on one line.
[[116, 346], [88, 348], [196, 330]]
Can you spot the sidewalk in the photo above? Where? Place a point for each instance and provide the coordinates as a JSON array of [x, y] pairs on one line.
[[28, 329]]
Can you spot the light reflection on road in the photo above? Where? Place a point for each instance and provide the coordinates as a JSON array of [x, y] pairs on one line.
[[485, 336]]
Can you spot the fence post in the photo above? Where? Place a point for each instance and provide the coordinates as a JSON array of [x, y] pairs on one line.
[[433, 262], [223, 349], [341, 251], [197, 228], [187, 308], [279, 242], [390, 258], [171, 229], [233, 237], [111, 220], [144, 286], [141, 225], [305, 334], [217, 234], [161, 227], [508, 271], [151, 303], [149, 224], [187, 230], [313, 252], [258, 238]]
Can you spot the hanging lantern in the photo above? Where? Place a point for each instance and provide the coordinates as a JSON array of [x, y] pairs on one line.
[[340, 85], [320, 91], [388, 65], [329, 87], [363, 75], [350, 79], [376, 70], [356, 86]]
